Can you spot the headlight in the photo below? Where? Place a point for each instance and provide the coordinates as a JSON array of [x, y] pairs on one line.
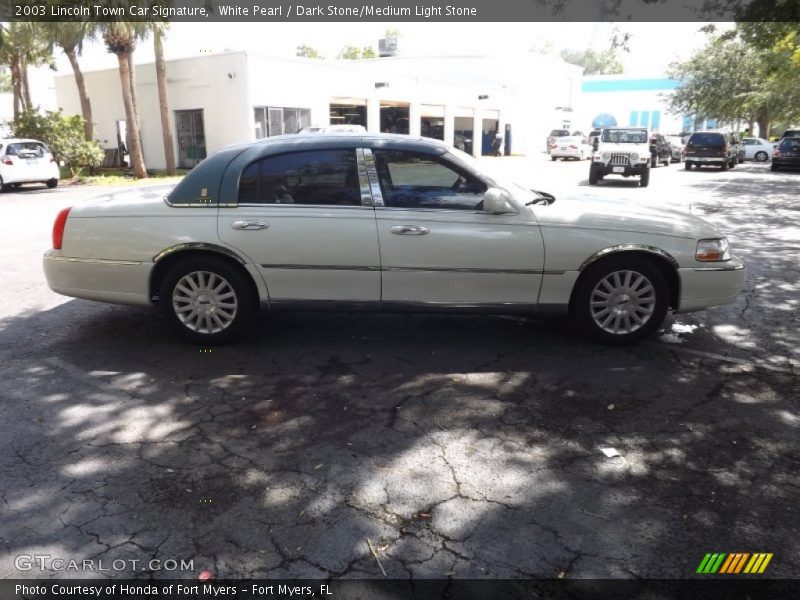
[[634, 157], [716, 249], [606, 155]]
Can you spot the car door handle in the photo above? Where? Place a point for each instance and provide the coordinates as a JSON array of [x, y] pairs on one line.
[[249, 225], [409, 230]]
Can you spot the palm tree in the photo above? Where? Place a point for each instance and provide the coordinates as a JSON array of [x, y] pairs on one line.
[[163, 101], [120, 39], [23, 44], [69, 36]]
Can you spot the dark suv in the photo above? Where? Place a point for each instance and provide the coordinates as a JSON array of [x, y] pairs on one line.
[[787, 154], [711, 148], [660, 150]]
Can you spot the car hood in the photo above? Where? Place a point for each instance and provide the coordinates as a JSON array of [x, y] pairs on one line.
[[132, 201], [588, 212]]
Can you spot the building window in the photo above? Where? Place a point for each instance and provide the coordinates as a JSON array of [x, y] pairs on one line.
[[348, 114], [272, 120]]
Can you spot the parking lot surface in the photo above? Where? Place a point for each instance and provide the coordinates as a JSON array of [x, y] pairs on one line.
[[459, 446]]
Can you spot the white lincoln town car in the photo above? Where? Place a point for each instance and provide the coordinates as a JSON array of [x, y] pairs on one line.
[[382, 222]]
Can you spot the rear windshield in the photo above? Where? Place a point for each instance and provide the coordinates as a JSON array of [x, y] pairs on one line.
[[625, 136], [559, 133], [790, 145], [707, 139], [26, 149], [791, 133]]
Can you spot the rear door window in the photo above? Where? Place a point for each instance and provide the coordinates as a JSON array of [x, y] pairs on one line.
[[318, 177]]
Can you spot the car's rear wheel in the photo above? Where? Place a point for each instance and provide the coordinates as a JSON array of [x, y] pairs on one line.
[[774, 167], [207, 300], [687, 165], [553, 158], [51, 183], [761, 156], [621, 300], [724, 166]]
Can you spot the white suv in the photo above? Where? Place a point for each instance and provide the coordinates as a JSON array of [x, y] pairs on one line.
[[26, 161], [621, 151]]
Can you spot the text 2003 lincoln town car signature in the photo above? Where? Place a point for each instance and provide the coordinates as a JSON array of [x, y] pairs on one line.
[[357, 221]]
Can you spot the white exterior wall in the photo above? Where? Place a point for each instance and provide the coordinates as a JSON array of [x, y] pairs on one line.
[[523, 91], [191, 83]]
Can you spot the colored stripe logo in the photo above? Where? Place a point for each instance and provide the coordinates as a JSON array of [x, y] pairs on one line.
[[734, 563]]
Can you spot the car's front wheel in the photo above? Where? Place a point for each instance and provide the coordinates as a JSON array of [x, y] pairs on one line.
[[207, 300], [621, 300], [644, 180], [594, 176]]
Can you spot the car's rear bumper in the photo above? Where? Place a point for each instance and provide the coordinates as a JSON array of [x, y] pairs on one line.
[[710, 285], [566, 153], [116, 281], [41, 175], [711, 160], [791, 163]]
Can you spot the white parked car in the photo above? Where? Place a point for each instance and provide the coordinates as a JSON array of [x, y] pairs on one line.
[[758, 149], [573, 146], [26, 161], [382, 222]]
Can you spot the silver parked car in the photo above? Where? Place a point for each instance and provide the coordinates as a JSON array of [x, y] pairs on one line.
[[382, 222]]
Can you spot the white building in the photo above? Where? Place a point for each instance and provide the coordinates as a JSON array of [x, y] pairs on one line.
[[226, 98]]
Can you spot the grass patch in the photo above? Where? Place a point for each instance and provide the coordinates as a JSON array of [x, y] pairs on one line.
[[119, 177]]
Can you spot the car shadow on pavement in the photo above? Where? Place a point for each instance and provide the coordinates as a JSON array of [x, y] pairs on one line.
[[459, 446]]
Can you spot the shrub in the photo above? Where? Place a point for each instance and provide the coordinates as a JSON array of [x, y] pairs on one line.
[[63, 134]]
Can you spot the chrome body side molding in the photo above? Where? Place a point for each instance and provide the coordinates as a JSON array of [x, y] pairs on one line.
[[198, 246], [628, 248]]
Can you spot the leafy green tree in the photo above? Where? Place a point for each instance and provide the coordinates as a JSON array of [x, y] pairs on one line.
[[305, 51], [70, 36], [63, 134], [355, 53], [594, 62], [23, 44]]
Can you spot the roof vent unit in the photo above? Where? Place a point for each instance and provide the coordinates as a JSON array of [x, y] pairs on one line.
[[387, 46]]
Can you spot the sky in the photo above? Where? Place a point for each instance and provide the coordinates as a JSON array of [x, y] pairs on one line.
[[652, 45]]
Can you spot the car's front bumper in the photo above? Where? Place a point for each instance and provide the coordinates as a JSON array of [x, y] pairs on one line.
[[116, 281], [712, 284], [624, 170]]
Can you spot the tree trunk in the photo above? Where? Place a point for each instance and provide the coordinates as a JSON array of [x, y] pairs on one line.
[[86, 105], [764, 121], [134, 94], [16, 86], [26, 89], [163, 103], [135, 142]]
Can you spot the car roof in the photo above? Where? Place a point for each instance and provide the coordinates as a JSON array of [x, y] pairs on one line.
[[18, 140], [207, 177]]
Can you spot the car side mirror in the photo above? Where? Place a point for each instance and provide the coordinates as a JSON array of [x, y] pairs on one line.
[[595, 143], [497, 202]]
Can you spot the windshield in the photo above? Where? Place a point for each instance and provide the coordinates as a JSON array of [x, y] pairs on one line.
[[559, 133], [625, 136]]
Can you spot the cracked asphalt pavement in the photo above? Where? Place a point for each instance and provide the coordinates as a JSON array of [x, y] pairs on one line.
[[460, 446]]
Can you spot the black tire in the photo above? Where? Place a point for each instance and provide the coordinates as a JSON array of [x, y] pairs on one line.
[[51, 183], [734, 162], [237, 282], [644, 178], [553, 158], [653, 161], [774, 167], [687, 165], [761, 156], [724, 166], [594, 176], [4, 187], [581, 309], [667, 161]]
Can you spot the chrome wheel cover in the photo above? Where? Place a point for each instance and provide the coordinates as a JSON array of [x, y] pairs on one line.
[[622, 302], [204, 302]]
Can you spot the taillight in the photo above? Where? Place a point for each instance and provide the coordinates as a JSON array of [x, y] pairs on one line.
[[7, 161], [777, 153], [724, 151], [573, 146], [58, 227]]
